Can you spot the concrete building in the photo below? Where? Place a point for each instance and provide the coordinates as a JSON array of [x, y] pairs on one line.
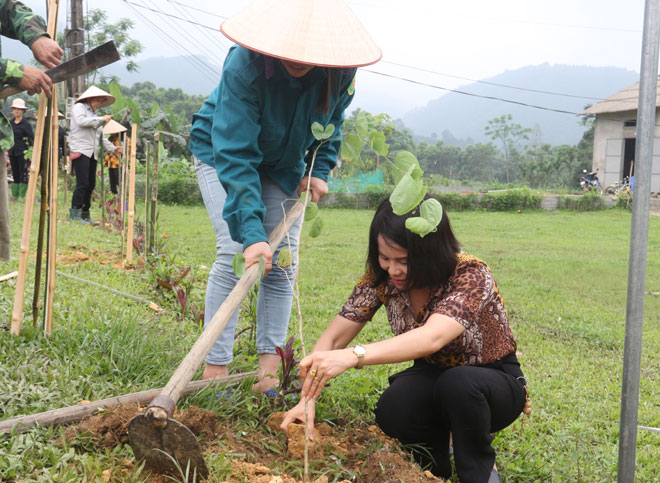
[[614, 137]]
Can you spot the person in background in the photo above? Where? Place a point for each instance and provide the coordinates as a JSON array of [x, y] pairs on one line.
[[19, 22], [23, 140], [253, 147], [112, 160], [84, 139], [448, 317]]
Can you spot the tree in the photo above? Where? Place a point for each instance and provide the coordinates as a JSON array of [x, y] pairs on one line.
[[100, 31], [511, 136]]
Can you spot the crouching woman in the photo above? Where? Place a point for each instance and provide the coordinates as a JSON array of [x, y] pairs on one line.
[[448, 318]]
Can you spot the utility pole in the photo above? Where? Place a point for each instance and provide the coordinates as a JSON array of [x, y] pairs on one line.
[[76, 43]]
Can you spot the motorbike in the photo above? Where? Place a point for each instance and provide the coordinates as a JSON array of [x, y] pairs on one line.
[[589, 181]]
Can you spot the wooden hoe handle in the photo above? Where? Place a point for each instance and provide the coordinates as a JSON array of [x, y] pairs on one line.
[[162, 406]]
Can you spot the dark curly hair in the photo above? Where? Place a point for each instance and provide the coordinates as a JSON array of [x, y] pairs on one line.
[[431, 259]]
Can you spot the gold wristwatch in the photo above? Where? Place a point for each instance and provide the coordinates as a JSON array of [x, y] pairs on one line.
[[360, 352]]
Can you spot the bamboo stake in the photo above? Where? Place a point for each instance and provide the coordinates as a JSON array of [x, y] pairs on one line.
[[154, 190], [147, 187], [102, 160], [9, 276], [131, 196], [81, 411], [45, 156], [17, 311], [52, 219]]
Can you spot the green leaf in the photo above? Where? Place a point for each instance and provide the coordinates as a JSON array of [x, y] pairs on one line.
[[154, 110], [321, 133], [303, 197], [135, 112], [407, 194], [238, 264], [351, 147], [262, 267], [311, 211], [378, 143], [420, 225], [285, 258], [403, 161], [362, 124], [115, 91], [431, 211], [317, 227]]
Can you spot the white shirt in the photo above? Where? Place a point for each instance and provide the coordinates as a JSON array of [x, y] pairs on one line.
[[86, 127]]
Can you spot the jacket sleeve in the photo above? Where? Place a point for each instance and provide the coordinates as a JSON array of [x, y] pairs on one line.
[[326, 157], [18, 22], [82, 118], [30, 134], [237, 156], [107, 145]]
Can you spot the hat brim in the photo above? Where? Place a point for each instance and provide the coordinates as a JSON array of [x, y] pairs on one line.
[[105, 102], [314, 32]]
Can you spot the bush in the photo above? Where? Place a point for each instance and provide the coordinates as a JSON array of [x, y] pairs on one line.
[[458, 202], [178, 190], [517, 199], [588, 202]]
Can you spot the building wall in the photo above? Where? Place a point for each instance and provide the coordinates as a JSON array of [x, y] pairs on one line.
[[609, 137]]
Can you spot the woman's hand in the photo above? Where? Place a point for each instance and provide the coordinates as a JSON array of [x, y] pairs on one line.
[[319, 367], [317, 187], [297, 413], [257, 250]]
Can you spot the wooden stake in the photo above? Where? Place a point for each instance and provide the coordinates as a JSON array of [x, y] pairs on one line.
[[80, 411], [43, 204], [147, 187], [9, 276], [131, 195], [102, 160], [153, 211], [17, 311], [52, 221]]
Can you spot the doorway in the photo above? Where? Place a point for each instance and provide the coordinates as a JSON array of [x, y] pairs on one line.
[[628, 158]]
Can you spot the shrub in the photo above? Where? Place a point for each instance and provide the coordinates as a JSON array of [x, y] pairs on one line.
[[517, 199], [179, 190], [588, 202], [457, 201]]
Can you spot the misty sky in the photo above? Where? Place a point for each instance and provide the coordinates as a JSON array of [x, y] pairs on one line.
[[458, 40]]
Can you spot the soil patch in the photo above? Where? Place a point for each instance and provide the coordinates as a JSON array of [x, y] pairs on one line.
[[360, 452], [76, 254]]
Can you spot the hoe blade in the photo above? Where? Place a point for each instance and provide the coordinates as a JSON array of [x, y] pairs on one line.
[[162, 447]]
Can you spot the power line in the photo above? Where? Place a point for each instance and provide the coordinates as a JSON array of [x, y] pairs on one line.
[[203, 68], [198, 9], [215, 41], [173, 16], [493, 83], [199, 45]]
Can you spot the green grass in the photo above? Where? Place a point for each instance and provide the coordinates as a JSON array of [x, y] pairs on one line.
[[563, 276]]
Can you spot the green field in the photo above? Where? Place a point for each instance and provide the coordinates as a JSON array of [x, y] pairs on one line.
[[563, 276]]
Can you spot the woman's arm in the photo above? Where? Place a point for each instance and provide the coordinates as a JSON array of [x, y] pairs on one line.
[[330, 359], [83, 119]]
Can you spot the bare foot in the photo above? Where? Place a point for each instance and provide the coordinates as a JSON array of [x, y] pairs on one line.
[[211, 371]]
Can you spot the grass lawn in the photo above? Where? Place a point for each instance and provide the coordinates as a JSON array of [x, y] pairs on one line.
[[563, 276]]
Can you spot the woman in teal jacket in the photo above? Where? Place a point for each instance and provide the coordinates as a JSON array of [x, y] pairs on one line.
[[253, 147]]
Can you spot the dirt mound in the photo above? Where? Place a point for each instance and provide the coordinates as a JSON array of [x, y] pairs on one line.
[[361, 451]]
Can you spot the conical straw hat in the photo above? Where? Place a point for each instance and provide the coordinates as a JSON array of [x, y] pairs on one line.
[[94, 91], [113, 127], [318, 32]]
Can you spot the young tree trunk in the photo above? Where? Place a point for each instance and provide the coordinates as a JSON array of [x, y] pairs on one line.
[[5, 237]]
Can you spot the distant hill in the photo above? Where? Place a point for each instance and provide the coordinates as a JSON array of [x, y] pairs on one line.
[[460, 119]]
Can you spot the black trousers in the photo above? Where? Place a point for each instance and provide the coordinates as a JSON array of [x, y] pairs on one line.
[[19, 169], [85, 169], [423, 405], [113, 174]]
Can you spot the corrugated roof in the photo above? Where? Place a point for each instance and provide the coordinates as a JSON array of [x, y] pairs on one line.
[[625, 100]]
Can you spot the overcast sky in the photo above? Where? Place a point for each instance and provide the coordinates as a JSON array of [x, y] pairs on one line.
[[458, 40]]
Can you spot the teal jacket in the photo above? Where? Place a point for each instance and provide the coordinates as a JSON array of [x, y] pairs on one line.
[[257, 122]]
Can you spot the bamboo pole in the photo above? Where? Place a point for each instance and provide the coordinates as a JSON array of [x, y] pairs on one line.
[[52, 221], [147, 187], [81, 411], [17, 311], [131, 195], [102, 160], [9, 276], [154, 190], [43, 205]]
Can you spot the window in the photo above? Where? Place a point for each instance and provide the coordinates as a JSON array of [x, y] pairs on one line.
[[630, 123]]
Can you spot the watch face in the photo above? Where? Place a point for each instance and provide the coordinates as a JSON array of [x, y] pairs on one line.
[[359, 350]]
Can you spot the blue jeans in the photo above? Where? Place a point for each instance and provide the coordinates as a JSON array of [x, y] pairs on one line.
[[275, 290]]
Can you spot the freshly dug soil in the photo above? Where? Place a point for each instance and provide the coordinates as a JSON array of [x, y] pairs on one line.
[[360, 451]]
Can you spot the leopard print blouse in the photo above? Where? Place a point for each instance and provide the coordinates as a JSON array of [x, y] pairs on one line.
[[470, 297]]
